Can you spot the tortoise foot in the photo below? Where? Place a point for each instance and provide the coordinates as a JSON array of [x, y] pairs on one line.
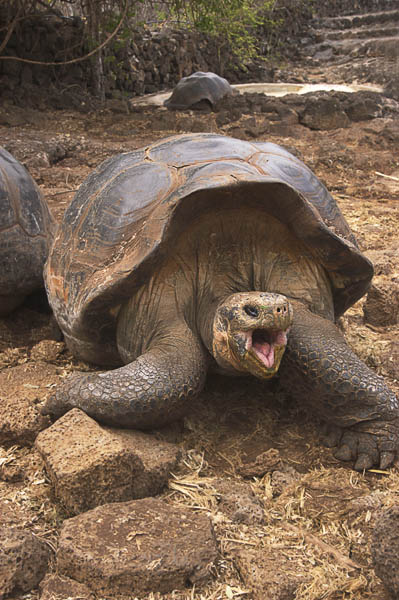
[[366, 448], [65, 398]]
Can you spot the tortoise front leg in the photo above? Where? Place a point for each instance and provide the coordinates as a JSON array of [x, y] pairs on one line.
[[153, 390], [320, 368]]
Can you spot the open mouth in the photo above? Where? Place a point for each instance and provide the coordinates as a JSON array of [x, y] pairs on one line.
[[262, 342]]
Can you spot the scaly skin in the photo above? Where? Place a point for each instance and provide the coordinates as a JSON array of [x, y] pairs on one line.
[[320, 368], [153, 390]]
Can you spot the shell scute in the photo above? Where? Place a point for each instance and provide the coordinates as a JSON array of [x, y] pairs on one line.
[[96, 181], [200, 149], [126, 200], [218, 174], [7, 212], [26, 229], [288, 168], [32, 219]]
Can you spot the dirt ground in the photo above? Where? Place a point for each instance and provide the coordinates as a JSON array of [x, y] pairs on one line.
[[319, 514]]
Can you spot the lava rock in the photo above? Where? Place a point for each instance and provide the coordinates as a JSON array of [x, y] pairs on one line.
[[137, 547], [20, 419], [382, 305], [54, 587], [268, 573], [323, 113], [23, 560], [91, 465], [263, 463], [239, 503], [385, 549]]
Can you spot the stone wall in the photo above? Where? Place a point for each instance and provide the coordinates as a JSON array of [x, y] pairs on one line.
[[149, 61], [44, 39], [316, 110], [158, 60]]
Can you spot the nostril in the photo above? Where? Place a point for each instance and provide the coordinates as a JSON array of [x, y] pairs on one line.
[[279, 310], [251, 311]]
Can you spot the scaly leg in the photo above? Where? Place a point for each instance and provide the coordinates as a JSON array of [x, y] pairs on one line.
[[152, 390], [320, 368]]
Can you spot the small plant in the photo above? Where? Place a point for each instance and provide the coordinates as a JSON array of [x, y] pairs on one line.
[[233, 23]]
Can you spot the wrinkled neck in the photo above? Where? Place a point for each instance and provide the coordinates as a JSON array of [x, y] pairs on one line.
[[205, 320]]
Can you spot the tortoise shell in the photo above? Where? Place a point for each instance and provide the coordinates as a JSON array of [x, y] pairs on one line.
[[126, 214], [26, 229], [196, 89]]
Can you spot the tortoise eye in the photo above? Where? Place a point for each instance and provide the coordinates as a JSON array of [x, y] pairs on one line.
[[251, 311]]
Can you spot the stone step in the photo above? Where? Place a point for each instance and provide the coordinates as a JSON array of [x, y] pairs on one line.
[[343, 7], [374, 70], [360, 20], [378, 31], [387, 46]]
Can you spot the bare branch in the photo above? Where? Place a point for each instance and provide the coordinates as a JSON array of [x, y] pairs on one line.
[[11, 28]]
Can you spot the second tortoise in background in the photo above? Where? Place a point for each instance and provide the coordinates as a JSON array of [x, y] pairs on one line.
[[199, 90], [26, 230], [205, 252]]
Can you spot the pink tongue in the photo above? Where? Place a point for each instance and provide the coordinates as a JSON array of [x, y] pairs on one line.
[[265, 352]]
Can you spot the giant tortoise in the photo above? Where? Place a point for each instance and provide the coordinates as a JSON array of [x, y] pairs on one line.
[[197, 90], [206, 252], [26, 229]]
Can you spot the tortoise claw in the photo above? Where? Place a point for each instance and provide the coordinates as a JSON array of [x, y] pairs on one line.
[[53, 408], [364, 448], [67, 396], [343, 453], [364, 462], [386, 459], [331, 436]]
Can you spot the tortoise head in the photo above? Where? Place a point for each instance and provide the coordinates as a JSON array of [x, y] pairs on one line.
[[250, 333]]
